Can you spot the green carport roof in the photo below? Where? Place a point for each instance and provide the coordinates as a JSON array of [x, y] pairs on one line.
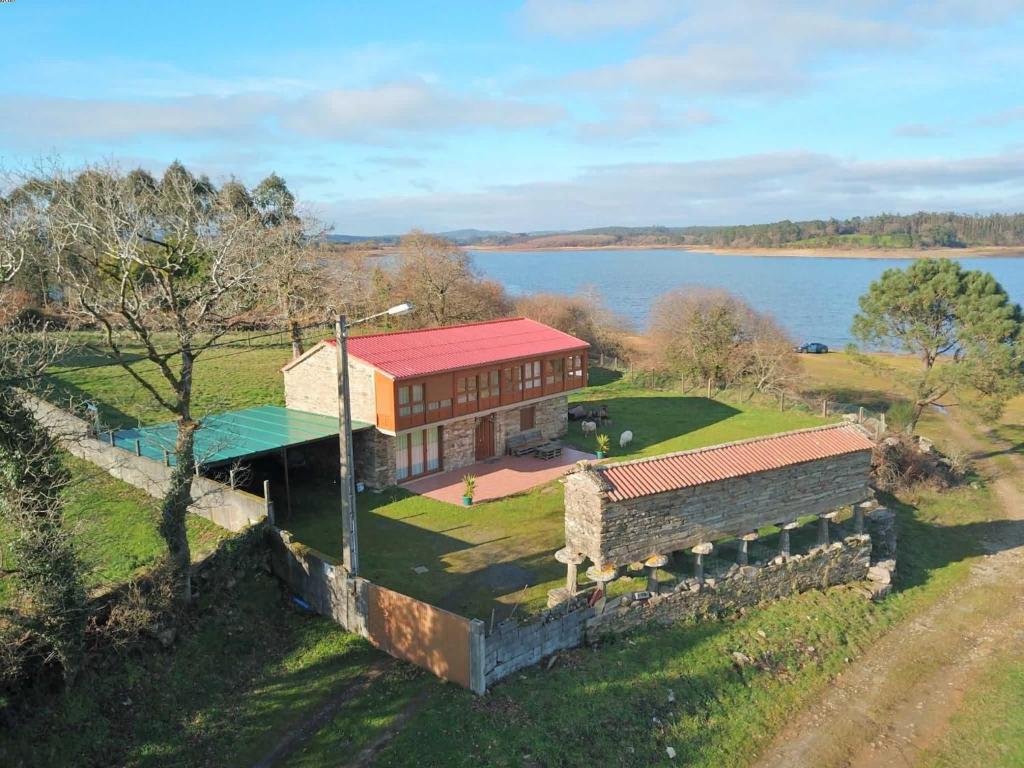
[[235, 435]]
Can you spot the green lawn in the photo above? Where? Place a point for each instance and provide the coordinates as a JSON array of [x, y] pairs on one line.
[[663, 422], [497, 555], [115, 526]]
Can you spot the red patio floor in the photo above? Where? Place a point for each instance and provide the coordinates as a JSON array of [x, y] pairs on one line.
[[498, 477]]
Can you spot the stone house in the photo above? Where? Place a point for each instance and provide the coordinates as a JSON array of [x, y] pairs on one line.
[[443, 398]]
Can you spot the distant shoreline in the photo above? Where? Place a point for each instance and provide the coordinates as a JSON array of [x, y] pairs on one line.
[[993, 251]]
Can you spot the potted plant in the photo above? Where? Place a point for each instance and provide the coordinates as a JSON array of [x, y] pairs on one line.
[[468, 487], [602, 446]]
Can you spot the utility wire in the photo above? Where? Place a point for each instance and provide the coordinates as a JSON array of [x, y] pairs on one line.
[[145, 359]]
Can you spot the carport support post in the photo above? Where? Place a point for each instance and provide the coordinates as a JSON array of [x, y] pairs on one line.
[[268, 502], [350, 542], [287, 482]]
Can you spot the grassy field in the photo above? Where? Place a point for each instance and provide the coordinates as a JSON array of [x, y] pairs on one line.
[[249, 669], [115, 526], [253, 666], [983, 733], [226, 378]]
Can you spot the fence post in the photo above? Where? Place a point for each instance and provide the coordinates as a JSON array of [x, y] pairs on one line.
[[138, 447], [477, 658], [268, 504]]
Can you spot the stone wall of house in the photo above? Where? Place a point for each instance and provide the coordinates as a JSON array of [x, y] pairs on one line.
[[374, 456], [550, 416], [312, 385], [620, 532], [511, 646], [459, 443]]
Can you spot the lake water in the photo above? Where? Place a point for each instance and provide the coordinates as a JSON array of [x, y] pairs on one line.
[[814, 298]]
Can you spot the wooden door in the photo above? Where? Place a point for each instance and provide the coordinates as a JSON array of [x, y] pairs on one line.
[[484, 438]]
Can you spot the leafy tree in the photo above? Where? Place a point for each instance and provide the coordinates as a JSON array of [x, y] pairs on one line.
[[960, 324]]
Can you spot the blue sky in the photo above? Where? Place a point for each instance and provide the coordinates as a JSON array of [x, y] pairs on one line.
[[536, 115]]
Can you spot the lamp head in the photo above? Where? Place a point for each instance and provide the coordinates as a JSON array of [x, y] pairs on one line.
[[401, 309]]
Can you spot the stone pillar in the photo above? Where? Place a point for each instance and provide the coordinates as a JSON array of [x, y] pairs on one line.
[[572, 561], [652, 564], [858, 515], [784, 550], [823, 533], [744, 554], [700, 550]]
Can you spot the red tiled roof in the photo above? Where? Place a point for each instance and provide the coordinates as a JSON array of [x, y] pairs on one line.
[[644, 477], [435, 350]]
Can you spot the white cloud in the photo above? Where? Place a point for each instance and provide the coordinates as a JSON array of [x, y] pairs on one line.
[[375, 114], [743, 189], [637, 119], [918, 131], [367, 115], [60, 119], [578, 18]]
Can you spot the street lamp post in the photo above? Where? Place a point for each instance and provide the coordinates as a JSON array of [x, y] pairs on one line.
[[350, 534]]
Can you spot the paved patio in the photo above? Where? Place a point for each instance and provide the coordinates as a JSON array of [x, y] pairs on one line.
[[497, 477]]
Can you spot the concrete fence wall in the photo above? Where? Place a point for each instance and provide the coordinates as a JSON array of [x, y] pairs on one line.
[[229, 508]]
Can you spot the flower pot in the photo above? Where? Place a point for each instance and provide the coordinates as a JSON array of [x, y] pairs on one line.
[[467, 501], [600, 454]]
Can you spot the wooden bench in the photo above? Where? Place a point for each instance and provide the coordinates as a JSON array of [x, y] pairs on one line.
[[524, 442]]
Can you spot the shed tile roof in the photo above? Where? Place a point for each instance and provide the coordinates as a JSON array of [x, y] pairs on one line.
[[633, 479], [435, 350]]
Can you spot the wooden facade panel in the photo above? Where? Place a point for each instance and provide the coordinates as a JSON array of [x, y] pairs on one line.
[[384, 394], [481, 389]]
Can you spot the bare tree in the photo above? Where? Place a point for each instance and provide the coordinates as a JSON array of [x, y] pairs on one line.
[[438, 277], [711, 335], [169, 265], [584, 315]]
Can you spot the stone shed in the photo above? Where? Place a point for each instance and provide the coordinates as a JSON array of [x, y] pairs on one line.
[[616, 514]]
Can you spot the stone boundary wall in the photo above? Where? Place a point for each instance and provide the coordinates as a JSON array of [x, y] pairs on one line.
[[511, 647], [229, 508]]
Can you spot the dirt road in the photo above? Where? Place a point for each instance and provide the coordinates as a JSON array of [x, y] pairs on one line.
[[897, 699]]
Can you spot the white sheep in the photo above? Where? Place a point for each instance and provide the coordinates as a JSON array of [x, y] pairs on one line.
[[589, 427], [625, 438]]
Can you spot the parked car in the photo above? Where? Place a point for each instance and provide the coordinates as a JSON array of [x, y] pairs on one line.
[[812, 348]]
